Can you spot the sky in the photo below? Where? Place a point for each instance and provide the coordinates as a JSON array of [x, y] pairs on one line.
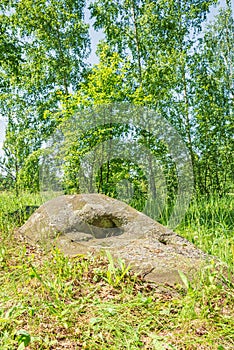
[[93, 59]]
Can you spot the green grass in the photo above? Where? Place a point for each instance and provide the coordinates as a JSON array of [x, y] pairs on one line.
[[209, 224], [48, 301]]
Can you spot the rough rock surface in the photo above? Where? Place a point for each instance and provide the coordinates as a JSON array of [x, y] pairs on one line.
[[83, 223]]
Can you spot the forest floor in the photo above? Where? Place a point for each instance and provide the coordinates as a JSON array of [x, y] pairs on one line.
[[49, 301]]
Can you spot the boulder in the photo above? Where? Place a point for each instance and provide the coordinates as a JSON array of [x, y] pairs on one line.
[[83, 223]]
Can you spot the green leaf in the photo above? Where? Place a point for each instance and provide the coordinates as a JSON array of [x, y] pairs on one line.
[[23, 338], [184, 279]]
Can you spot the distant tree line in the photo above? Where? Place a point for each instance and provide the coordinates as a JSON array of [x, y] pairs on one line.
[[154, 54]]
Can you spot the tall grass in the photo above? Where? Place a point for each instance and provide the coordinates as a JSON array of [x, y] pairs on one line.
[[9, 204], [209, 224]]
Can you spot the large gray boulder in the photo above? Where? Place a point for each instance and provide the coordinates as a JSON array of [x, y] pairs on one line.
[[83, 223]]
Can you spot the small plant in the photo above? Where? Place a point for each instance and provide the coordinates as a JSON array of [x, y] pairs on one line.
[[184, 280], [116, 274], [23, 339]]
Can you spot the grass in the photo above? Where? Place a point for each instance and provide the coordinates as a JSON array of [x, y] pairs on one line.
[[49, 301], [209, 224]]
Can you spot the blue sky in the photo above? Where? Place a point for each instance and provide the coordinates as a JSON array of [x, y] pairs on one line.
[[95, 37]]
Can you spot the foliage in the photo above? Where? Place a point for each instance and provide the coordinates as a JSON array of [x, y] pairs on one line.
[[51, 42], [213, 72], [154, 54], [160, 42]]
